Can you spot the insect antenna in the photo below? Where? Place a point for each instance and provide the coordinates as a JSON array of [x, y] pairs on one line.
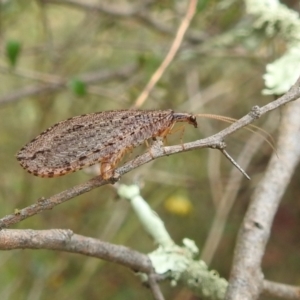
[[252, 128]]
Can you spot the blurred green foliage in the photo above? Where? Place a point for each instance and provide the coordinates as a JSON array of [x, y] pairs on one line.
[[218, 70], [13, 49], [78, 87]]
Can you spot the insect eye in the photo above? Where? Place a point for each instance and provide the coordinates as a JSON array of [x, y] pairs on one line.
[[193, 121]]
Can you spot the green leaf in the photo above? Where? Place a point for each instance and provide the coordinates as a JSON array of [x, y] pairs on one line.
[[13, 50], [78, 87]]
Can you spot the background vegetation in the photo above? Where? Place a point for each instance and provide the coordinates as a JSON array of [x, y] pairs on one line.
[[59, 59]]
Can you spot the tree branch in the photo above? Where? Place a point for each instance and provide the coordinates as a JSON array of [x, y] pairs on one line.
[[246, 275], [126, 11], [53, 84], [215, 141], [284, 291], [67, 241], [139, 12]]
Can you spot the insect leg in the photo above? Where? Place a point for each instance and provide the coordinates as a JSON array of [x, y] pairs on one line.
[[181, 137], [169, 129], [149, 147], [109, 163]]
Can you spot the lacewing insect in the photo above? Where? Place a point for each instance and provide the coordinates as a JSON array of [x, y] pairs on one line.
[[101, 137]]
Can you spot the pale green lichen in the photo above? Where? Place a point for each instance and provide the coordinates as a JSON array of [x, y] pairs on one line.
[[283, 73], [278, 20], [148, 218], [178, 263]]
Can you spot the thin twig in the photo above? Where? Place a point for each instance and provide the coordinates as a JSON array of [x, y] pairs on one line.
[[235, 163], [139, 12], [52, 84], [227, 198], [157, 294], [171, 54], [281, 290], [114, 10]]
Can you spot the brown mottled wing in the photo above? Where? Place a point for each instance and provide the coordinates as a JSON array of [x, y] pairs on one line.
[[84, 140]]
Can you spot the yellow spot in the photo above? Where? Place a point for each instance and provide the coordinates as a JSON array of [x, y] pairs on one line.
[[178, 205]]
